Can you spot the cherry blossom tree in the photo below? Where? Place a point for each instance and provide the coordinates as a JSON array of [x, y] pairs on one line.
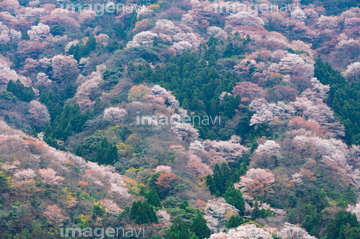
[[315, 109], [300, 69], [185, 131], [267, 155], [158, 91], [216, 32], [181, 46], [267, 112], [164, 182], [142, 25], [43, 79], [290, 229], [14, 165], [196, 166], [310, 124], [89, 85], [31, 48], [64, 68], [49, 177], [354, 209], [329, 22], [282, 92], [105, 176], [25, 174], [343, 50], [7, 74], [175, 13], [230, 150], [53, 215], [216, 214], [142, 38], [352, 72], [298, 14], [248, 231], [38, 32], [163, 168], [248, 89], [38, 113], [86, 15], [111, 207], [138, 92], [60, 16], [256, 182], [114, 114]]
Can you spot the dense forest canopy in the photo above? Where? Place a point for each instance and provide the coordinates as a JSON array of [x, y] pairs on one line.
[[184, 119]]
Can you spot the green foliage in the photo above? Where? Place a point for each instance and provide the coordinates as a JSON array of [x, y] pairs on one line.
[[57, 30], [197, 83], [20, 91], [222, 177], [234, 221], [106, 153], [171, 202], [257, 213], [180, 230], [143, 213], [344, 225], [333, 7], [111, 77], [343, 99], [234, 197], [153, 198], [184, 205], [124, 213], [26, 233], [69, 120], [200, 228], [24, 2], [153, 178], [3, 181], [133, 53], [80, 50], [98, 210]]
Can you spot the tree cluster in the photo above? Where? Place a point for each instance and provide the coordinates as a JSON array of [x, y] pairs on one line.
[[143, 213], [20, 91]]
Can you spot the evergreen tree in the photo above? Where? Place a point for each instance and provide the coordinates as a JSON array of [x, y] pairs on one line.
[[344, 225], [200, 228], [225, 175], [210, 184], [184, 204], [153, 198], [20, 91], [184, 232], [3, 182], [235, 198], [98, 210], [90, 45], [234, 221], [256, 212], [143, 213], [135, 212]]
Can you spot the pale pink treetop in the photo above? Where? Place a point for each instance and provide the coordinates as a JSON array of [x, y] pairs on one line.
[[49, 177]]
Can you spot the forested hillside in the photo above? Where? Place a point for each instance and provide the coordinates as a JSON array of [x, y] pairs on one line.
[[182, 119]]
